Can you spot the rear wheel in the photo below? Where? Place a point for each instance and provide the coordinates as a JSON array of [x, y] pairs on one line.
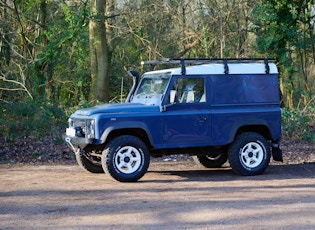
[[214, 160], [125, 159], [249, 154]]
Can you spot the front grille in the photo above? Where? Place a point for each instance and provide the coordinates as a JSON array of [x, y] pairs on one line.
[[83, 127]]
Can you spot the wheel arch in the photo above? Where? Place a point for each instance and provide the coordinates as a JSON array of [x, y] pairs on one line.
[[261, 128], [136, 129]]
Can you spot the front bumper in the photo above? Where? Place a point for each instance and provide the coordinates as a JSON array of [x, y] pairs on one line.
[[75, 142]]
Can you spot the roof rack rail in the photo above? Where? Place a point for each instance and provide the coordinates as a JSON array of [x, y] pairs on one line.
[[200, 61]]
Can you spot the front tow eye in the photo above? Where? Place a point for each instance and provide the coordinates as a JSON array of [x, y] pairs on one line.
[[68, 140]]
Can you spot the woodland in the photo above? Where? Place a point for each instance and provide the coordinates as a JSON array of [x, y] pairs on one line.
[[60, 55]]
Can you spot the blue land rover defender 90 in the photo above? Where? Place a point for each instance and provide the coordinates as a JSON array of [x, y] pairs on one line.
[[215, 110]]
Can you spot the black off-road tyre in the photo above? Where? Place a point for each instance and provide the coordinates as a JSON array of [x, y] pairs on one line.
[[94, 166], [249, 154], [211, 161], [125, 159]]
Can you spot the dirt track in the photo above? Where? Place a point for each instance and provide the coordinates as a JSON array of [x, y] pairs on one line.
[[172, 195]]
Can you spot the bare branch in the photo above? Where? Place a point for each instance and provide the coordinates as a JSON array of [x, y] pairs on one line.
[[21, 85]]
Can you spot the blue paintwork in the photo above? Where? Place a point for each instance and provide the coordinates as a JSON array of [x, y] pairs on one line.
[[115, 108], [244, 89], [233, 101]]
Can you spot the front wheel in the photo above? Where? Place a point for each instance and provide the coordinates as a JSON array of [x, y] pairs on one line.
[[249, 154], [89, 159], [125, 159]]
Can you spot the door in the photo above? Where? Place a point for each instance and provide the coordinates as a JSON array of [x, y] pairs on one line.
[[187, 119]]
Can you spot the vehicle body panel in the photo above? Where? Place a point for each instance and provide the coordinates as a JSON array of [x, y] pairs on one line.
[[231, 101]]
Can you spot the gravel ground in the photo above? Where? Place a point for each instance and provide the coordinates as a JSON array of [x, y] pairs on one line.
[[171, 195], [43, 188]]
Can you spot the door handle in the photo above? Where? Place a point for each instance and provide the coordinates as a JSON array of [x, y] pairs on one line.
[[202, 119]]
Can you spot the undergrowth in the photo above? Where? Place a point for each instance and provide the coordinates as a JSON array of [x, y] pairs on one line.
[[299, 124], [30, 119]]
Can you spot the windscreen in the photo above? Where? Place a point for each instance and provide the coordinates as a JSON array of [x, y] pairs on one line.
[[151, 88]]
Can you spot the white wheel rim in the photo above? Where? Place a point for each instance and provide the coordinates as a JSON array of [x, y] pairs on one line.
[[252, 154], [213, 158], [128, 159]]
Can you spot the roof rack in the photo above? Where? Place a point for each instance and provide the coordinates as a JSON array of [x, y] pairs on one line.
[[200, 61]]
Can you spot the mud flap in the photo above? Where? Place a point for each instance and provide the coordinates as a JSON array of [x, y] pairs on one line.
[[277, 154]]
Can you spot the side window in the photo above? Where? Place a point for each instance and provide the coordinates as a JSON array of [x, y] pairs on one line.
[[189, 90]]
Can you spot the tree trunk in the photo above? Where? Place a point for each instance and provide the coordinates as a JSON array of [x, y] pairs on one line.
[[99, 52], [49, 81]]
